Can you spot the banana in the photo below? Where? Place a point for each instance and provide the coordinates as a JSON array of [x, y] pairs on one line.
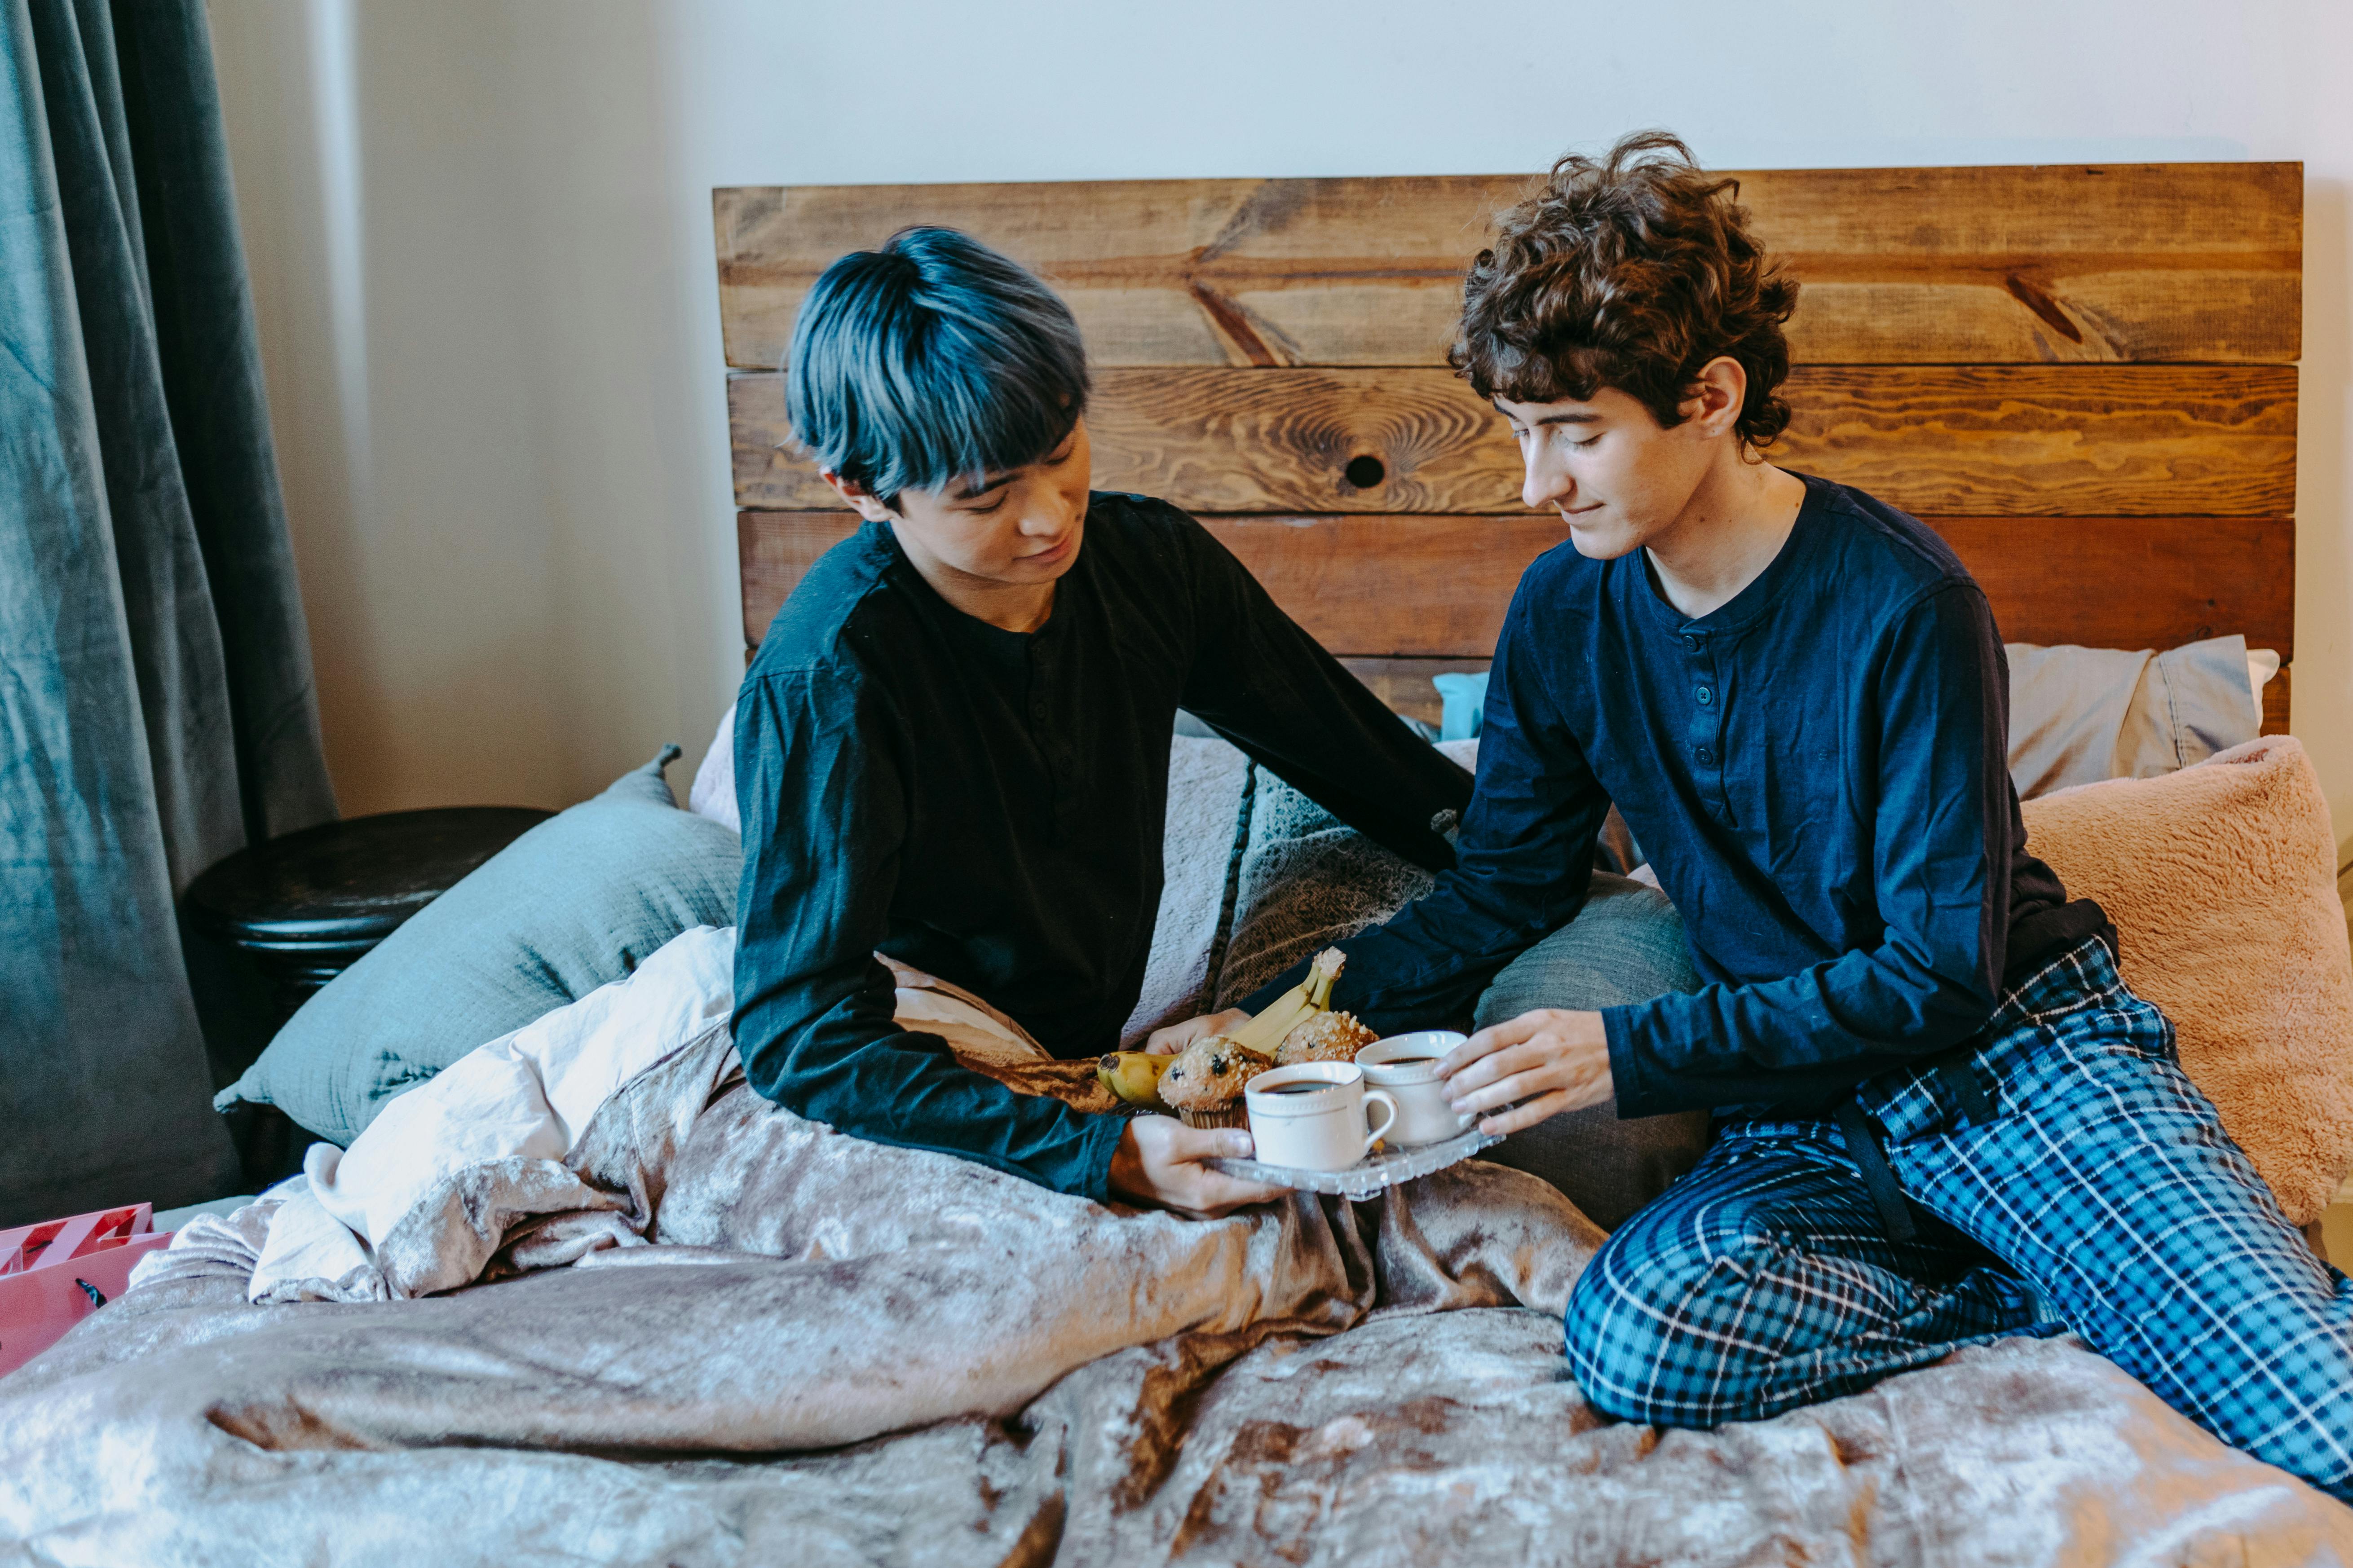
[[1328, 964], [1312, 995], [1134, 1076]]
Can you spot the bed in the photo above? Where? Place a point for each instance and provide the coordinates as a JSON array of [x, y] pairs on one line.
[[2084, 377], [837, 1352]]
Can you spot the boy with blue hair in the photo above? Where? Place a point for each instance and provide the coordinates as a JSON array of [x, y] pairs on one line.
[[953, 746]]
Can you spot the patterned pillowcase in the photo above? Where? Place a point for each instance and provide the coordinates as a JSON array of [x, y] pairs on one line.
[[1308, 879]]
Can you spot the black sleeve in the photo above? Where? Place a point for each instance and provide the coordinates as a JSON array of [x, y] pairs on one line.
[[825, 813], [1259, 680]]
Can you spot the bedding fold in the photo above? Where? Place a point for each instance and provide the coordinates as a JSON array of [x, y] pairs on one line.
[[838, 1289], [827, 1351]]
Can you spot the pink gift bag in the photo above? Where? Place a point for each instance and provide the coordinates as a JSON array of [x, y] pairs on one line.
[[55, 1274]]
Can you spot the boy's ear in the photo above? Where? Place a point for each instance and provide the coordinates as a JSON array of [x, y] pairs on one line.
[[1720, 390], [862, 499]]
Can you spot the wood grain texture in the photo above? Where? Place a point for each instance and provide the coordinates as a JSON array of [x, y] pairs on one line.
[[2021, 265], [1404, 683], [2004, 441], [774, 550], [2133, 582], [1421, 587], [1392, 586], [2276, 693]]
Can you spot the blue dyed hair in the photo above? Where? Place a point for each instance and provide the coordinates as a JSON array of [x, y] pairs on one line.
[[931, 360]]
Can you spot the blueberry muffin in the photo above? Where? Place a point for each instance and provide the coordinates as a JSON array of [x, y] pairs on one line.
[[1326, 1037], [1205, 1083]]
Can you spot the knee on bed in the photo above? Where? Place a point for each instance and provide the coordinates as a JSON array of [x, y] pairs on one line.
[[1651, 1331], [2286, 1396], [1626, 945]]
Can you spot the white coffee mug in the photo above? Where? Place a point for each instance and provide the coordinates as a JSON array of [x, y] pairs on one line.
[[1406, 1068], [1312, 1116]]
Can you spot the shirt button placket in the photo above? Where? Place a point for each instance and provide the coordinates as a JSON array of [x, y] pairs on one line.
[[1707, 717]]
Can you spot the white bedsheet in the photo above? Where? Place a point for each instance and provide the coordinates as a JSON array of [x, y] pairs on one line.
[[495, 1128]]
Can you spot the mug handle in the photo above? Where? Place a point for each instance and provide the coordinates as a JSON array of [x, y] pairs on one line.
[[1386, 1102]]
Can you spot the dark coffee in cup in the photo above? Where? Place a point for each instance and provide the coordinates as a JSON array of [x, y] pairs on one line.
[[1296, 1089]]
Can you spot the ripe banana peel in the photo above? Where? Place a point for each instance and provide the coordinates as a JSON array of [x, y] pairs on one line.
[[1312, 995], [1135, 1077]]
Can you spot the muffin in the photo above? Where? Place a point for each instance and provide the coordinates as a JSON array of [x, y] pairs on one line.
[[1326, 1037], [1205, 1083]]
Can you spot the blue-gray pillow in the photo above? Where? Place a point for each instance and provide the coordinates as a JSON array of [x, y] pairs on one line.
[[575, 903]]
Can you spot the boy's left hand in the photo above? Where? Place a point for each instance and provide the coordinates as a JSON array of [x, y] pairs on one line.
[[1550, 1060], [1167, 1042]]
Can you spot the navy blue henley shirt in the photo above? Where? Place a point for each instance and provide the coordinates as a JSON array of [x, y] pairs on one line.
[[1818, 771]]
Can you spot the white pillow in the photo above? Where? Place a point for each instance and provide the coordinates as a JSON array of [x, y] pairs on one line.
[[2080, 715], [2263, 663], [713, 795]]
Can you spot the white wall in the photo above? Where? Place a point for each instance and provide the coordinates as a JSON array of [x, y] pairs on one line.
[[481, 250]]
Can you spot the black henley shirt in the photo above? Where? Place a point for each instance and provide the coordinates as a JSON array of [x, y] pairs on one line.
[[987, 805]]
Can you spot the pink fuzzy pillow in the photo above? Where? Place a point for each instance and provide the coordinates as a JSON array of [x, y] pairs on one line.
[[2221, 880]]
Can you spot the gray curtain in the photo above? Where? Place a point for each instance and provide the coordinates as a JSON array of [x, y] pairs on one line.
[[156, 711]]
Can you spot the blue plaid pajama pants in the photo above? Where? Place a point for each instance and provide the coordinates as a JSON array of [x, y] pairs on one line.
[[1765, 1279]]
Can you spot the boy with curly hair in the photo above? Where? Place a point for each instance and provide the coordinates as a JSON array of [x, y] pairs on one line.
[[1939, 1117]]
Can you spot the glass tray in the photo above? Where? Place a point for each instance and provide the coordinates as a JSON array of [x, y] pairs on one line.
[[1368, 1175]]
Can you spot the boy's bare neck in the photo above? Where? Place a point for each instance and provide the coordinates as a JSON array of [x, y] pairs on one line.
[[1009, 606], [1734, 524]]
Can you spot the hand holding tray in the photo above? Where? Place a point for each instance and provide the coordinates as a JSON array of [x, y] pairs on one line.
[[1367, 1176]]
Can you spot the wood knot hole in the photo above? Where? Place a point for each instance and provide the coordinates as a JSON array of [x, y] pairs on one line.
[[1365, 472]]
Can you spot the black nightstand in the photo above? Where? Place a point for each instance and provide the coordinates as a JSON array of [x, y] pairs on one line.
[[308, 905]]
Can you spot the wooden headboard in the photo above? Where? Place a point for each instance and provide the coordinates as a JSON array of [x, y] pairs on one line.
[[2085, 378]]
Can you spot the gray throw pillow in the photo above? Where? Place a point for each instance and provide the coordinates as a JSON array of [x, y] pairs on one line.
[[575, 903], [1306, 879], [1207, 829]]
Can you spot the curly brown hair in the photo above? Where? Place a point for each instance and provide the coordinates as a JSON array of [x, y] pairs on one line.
[[1633, 271]]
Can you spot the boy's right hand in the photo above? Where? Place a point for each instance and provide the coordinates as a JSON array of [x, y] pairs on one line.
[[1158, 1162], [1167, 1042]]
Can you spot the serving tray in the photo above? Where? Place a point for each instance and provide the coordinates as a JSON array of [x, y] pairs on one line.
[[1368, 1175]]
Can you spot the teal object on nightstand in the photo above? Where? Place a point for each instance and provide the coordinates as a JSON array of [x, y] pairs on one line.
[[1462, 699]]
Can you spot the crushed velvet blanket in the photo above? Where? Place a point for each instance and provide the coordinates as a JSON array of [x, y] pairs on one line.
[[838, 1352]]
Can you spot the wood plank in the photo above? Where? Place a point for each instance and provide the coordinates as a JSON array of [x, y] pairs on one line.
[[2018, 265], [1393, 587], [1418, 587], [2276, 693], [774, 551], [2009, 440], [1404, 683], [2097, 582], [2133, 582]]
